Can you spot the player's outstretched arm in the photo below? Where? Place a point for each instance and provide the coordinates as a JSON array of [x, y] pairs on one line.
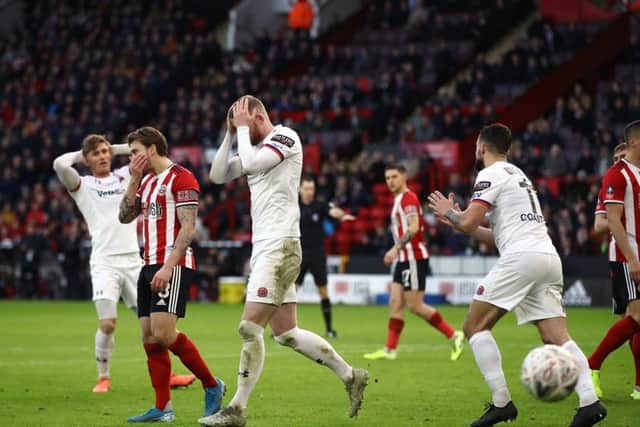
[[67, 174], [340, 214], [225, 169], [131, 205], [466, 221]]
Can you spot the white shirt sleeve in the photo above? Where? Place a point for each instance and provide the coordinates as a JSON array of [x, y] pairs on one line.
[[256, 161], [487, 187], [63, 165]]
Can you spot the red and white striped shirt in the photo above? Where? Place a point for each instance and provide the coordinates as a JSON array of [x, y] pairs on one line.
[[406, 204], [161, 195], [621, 185]]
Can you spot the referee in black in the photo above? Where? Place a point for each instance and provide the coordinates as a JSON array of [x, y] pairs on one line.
[[314, 259]]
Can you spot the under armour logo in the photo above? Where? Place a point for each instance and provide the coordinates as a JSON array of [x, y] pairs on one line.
[[161, 302]]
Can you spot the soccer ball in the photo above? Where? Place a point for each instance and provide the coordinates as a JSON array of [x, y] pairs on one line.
[[549, 373]]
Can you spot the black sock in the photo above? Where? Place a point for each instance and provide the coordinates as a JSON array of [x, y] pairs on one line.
[[325, 304]]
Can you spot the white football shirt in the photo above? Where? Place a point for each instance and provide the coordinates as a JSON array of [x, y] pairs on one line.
[[275, 212], [99, 202], [514, 210]]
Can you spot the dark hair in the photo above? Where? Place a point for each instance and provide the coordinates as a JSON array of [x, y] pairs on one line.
[[497, 137], [91, 142], [396, 166], [308, 178], [632, 130], [149, 136]]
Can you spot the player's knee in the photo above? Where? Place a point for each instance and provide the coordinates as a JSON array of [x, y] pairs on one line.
[[288, 338], [415, 306], [470, 329], [250, 331], [108, 326]]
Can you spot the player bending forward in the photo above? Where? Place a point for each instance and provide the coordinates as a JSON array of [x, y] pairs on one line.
[[271, 156], [526, 279], [411, 259], [167, 197], [115, 257]]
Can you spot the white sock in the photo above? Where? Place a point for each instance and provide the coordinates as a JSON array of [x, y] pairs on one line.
[[318, 349], [489, 361], [584, 386], [251, 362], [104, 350]]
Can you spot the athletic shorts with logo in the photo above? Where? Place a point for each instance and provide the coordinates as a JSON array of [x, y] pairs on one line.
[[115, 277], [528, 283], [412, 274], [623, 287], [173, 299], [275, 264]]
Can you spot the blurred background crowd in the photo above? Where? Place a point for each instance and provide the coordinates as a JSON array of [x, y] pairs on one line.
[[361, 96]]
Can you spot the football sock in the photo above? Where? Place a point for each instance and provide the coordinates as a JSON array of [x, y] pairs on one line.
[[440, 324], [251, 362], [104, 350], [159, 365], [620, 332], [635, 349], [393, 335], [316, 348], [325, 304], [584, 386], [488, 359], [188, 353]]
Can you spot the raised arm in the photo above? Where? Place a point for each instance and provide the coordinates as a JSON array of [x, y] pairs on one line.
[[466, 221], [252, 161], [340, 214], [67, 174], [121, 149], [131, 205], [223, 168]]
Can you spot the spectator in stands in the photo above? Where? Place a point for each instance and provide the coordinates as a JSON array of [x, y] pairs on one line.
[[556, 163]]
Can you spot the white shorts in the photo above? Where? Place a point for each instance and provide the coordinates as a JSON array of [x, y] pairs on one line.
[[117, 279], [275, 264], [530, 284]]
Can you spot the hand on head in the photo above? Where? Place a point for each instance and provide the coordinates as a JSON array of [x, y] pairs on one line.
[[240, 113]]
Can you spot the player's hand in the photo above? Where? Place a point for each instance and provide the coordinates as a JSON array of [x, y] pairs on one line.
[[348, 217], [138, 165], [456, 207], [241, 116], [440, 204], [634, 270], [161, 279], [390, 256], [231, 129]]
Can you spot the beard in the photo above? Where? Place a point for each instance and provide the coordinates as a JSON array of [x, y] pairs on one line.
[[479, 165]]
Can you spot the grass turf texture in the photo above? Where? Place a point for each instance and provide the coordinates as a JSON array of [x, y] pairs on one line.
[[47, 370]]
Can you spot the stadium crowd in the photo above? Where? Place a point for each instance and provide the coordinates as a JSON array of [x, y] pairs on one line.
[[106, 68]]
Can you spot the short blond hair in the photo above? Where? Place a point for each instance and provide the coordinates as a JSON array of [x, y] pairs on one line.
[[91, 142]]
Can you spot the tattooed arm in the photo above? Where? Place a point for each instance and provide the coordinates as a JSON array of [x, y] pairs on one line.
[[130, 206], [187, 217]]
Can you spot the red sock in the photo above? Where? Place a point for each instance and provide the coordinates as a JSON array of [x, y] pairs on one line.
[[635, 349], [188, 353], [440, 324], [620, 332], [393, 335], [159, 365]]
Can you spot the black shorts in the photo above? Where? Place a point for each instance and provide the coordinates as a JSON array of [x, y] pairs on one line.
[[316, 263], [624, 289], [172, 300], [412, 275]]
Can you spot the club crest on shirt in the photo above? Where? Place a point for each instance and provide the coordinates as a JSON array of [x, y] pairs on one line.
[[482, 185], [162, 189], [283, 139]]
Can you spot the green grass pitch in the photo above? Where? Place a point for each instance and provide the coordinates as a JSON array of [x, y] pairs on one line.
[[47, 370]]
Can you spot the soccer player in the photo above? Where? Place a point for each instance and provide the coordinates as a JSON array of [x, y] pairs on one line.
[[115, 257], [411, 258], [600, 223], [526, 279], [271, 157], [314, 259], [167, 197], [619, 193]]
